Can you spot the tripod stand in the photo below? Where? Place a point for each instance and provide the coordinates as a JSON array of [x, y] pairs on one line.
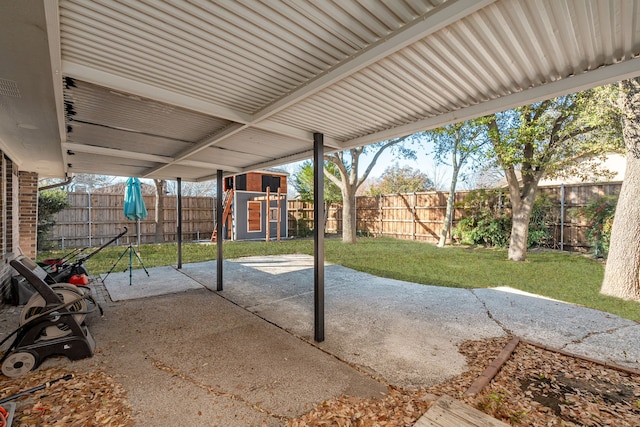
[[131, 252]]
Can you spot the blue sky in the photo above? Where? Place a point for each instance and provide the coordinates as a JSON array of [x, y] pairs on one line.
[[440, 174]]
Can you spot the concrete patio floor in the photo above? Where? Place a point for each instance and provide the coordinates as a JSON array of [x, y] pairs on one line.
[[188, 355], [195, 359], [406, 334]]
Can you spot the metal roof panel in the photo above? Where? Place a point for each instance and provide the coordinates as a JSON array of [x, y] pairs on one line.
[[196, 80]]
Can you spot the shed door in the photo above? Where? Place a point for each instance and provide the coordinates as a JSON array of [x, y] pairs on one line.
[[254, 215]]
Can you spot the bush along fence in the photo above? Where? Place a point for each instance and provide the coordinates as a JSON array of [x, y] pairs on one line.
[[567, 217]]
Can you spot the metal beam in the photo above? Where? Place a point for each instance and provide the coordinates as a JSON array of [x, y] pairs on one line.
[[292, 132], [215, 175], [589, 79], [220, 237], [433, 21], [307, 154], [179, 227], [318, 236], [210, 166], [304, 155], [114, 152], [52, 17], [122, 84], [199, 146], [123, 154]]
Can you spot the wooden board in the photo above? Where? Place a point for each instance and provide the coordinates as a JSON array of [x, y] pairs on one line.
[[255, 216], [448, 412]]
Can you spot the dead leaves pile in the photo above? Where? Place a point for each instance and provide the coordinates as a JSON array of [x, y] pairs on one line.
[[396, 408], [88, 399], [535, 387]]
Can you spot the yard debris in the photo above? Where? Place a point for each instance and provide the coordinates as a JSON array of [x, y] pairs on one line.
[[34, 389], [87, 399], [535, 387], [397, 408]]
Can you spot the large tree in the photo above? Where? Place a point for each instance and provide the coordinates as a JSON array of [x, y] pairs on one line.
[[623, 262], [549, 138], [456, 145], [400, 179], [350, 177]]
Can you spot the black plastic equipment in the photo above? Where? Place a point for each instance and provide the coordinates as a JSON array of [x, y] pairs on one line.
[[52, 323]]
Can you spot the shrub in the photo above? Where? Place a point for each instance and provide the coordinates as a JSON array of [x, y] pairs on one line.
[[485, 230], [304, 228], [486, 221], [50, 202], [598, 215], [541, 217]]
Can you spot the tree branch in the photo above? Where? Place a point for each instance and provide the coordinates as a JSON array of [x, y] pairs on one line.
[[377, 155], [336, 159]]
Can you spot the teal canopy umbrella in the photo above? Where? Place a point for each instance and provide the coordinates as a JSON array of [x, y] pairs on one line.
[[134, 207]]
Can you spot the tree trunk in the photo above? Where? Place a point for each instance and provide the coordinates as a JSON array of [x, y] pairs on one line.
[[623, 263], [161, 186], [327, 206], [521, 208], [348, 216], [520, 232], [446, 225]]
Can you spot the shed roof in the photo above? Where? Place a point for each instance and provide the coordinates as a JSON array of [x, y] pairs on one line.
[[163, 89]]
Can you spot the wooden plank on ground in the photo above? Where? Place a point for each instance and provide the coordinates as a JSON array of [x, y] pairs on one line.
[[448, 412]]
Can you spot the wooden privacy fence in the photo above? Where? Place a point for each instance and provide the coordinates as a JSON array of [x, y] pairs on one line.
[[569, 229], [93, 219], [420, 216]]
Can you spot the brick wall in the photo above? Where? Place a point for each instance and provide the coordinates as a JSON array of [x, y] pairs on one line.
[[18, 219], [28, 213], [15, 219], [10, 219], [15, 212], [5, 268]]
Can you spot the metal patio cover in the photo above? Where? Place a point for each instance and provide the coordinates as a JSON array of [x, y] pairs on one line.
[[167, 89]]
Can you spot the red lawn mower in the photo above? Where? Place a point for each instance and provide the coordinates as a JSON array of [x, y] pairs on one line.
[[70, 268]]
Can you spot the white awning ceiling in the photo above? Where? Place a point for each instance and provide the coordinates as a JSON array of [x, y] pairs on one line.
[[167, 89]]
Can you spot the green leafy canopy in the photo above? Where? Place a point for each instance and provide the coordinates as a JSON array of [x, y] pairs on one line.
[[556, 135], [303, 182]]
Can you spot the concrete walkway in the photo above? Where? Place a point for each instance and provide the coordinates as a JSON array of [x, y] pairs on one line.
[[402, 333], [187, 355]]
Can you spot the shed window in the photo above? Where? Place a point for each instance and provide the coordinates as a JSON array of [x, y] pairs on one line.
[[271, 182], [273, 214], [241, 182]]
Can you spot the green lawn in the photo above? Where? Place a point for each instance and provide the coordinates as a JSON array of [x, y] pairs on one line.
[[568, 277]]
